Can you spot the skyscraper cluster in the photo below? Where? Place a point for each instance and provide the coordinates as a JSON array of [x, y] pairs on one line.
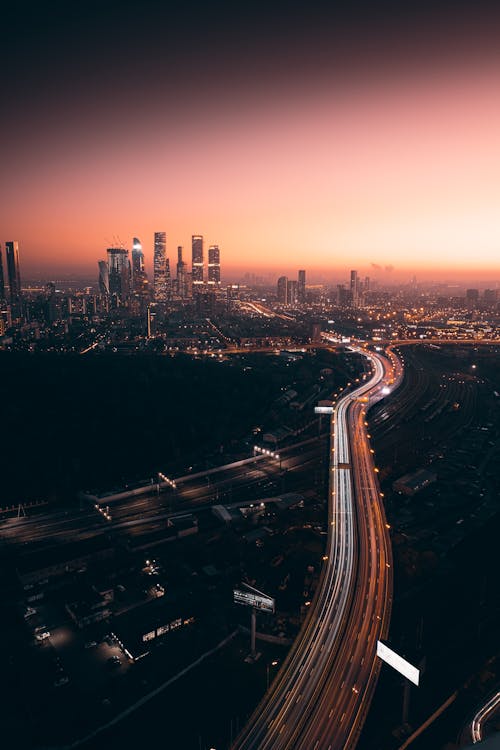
[[353, 296], [122, 279], [291, 291], [186, 283]]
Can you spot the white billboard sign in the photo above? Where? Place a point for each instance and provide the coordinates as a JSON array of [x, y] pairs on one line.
[[323, 409], [398, 663], [264, 603]]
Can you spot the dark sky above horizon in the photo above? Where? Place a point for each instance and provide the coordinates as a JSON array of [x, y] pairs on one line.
[[290, 133]]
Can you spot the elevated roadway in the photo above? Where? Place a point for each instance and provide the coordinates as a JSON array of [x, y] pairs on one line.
[[320, 697]]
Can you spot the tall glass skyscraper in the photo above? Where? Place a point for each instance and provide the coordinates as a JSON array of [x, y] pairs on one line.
[[282, 289], [197, 260], [139, 276], [119, 272], [160, 270], [103, 277], [181, 275], [14, 277], [354, 287], [214, 265], [137, 257], [301, 290]]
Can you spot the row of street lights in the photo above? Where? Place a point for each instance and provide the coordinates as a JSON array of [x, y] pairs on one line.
[[103, 511], [266, 452], [170, 482]]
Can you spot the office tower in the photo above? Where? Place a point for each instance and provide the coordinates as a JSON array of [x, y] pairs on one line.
[[168, 279], [367, 284], [159, 278], [197, 260], [301, 289], [14, 277], [181, 275], [139, 275], [2, 278], [103, 277], [119, 272], [354, 288], [137, 262], [214, 265], [292, 292], [282, 289]]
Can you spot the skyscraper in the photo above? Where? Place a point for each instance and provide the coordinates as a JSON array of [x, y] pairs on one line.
[[168, 279], [354, 288], [2, 279], [197, 260], [301, 290], [159, 263], [282, 289], [139, 276], [214, 265], [137, 258], [181, 275], [119, 272], [14, 277], [292, 292], [103, 277]]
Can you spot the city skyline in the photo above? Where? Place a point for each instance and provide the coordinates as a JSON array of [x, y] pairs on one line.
[[373, 144]]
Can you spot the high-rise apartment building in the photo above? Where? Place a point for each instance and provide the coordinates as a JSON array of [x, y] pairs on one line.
[[292, 292], [197, 260], [282, 288], [14, 277], [160, 269], [119, 272], [214, 265], [301, 289]]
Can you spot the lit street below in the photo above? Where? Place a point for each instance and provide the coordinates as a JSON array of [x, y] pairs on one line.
[[322, 693]]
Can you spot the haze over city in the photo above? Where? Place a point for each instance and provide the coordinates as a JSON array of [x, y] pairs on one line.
[[323, 136], [249, 355]]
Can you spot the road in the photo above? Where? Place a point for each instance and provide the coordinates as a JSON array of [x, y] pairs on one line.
[[485, 714], [133, 516], [320, 697]]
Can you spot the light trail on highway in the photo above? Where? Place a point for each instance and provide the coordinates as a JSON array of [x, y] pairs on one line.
[[320, 698], [482, 716]]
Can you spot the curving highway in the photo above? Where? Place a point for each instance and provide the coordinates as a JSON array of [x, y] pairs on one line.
[[320, 697]]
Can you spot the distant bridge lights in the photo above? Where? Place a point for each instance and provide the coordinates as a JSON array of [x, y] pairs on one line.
[[104, 512], [257, 450], [170, 482]]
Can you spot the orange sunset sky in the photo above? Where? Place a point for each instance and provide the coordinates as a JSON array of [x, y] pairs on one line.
[[385, 153]]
